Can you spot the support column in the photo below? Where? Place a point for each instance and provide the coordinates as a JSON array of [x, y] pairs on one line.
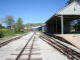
[[42, 28], [56, 26], [62, 25]]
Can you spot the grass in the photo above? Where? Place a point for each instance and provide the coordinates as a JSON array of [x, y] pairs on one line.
[[7, 32]]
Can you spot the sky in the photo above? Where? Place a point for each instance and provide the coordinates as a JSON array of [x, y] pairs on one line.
[[31, 11]]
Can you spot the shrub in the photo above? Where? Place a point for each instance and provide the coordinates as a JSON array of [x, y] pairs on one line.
[[1, 34]]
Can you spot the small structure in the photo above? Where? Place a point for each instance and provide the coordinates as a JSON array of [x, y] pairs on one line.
[[59, 23], [41, 28]]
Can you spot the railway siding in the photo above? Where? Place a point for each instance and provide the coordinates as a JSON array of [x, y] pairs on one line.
[[38, 48], [6, 41], [65, 50], [30, 51]]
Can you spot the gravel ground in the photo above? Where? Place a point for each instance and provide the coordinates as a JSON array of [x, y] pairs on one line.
[[44, 51], [73, 38], [8, 38], [5, 51], [48, 52]]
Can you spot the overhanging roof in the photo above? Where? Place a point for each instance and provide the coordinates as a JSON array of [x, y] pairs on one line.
[[71, 11]]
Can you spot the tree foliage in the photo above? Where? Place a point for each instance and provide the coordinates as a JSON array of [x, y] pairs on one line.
[[9, 21], [1, 33], [78, 25], [19, 25], [70, 1], [0, 26]]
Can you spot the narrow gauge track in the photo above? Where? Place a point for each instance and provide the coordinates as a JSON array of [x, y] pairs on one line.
[[23, 49], [70, 53], [8, 41]]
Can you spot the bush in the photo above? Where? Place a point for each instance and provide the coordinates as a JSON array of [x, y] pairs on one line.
[[1, 34], [8, 32]]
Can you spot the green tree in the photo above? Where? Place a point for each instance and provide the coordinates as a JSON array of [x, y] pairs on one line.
[[0, 26], [70, 1], [9, 21], [78, 25], [19, 25], [1, 32]]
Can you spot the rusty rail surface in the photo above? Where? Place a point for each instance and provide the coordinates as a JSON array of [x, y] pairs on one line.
[[70, 53]]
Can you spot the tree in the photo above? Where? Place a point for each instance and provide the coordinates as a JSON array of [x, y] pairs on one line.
[[70, 1], [1, 33], [78, 25], [19, 25], [0, 26], [9, 21]]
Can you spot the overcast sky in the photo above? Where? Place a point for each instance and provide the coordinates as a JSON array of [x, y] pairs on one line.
[[31, 11]]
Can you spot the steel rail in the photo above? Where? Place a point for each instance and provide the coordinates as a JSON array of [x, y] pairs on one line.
[[19, 55], [70, 53], [10, 40], [29, 56]]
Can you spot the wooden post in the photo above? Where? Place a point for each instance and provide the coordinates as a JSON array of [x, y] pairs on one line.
[[56, 26], [62, 25], [42, 28]]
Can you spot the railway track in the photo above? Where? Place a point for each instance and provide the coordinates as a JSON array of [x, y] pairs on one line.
[[70, 53], [10, 40], [30, 43]]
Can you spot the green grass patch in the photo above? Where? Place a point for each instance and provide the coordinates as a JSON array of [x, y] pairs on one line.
[[7, 32]]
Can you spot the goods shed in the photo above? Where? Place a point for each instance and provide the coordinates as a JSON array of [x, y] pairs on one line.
[[60, 22]]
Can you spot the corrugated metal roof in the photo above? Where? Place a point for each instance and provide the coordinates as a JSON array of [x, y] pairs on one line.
[[71, 9]]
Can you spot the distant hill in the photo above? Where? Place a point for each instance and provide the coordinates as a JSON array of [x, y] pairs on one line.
[[30, 25], [34, 24]]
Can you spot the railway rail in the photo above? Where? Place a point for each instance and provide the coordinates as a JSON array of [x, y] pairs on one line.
[[10, 40], [29, 42], [70, 53]]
